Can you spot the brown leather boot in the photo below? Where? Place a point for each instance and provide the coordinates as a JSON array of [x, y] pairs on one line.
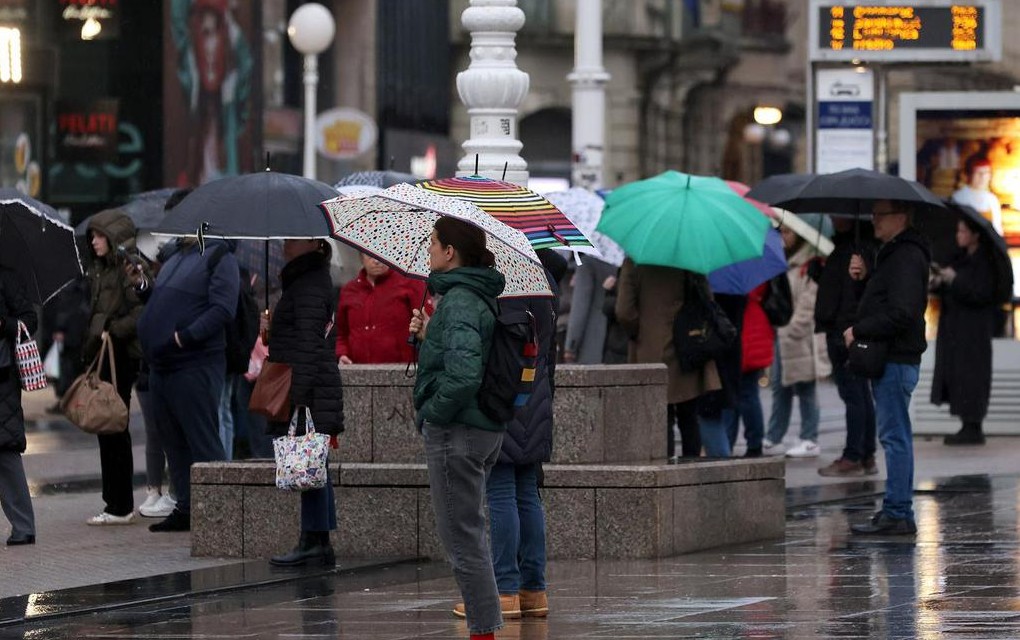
[[534, 604], [509, 605]]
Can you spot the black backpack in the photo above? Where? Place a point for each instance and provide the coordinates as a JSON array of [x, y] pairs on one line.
[[701, 330], [509, 375], [244, 330]]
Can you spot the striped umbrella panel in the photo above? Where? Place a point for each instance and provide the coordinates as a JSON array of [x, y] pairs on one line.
[[545, 226]]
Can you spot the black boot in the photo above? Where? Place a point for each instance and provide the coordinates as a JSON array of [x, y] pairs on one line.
[[313, 546], [970, 434]]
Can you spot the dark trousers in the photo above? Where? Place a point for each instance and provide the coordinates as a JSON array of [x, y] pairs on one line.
[[115, 457], [187, 408], [855, 392], [318, 508], [685, 416]]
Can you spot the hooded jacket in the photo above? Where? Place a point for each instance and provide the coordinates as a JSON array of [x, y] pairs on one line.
[[896, 295], [456, 348], [195, 301], [115, 304]]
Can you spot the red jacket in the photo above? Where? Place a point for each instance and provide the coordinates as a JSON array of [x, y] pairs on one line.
[[758, 338], [371, 320]]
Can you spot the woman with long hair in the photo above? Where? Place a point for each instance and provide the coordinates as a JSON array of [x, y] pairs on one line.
[[298, 336], [461, 443]]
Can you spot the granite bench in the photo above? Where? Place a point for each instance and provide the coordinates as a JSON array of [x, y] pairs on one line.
[[608, 492]]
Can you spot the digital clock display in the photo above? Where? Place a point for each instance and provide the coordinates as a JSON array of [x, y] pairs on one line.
[[873, 29]]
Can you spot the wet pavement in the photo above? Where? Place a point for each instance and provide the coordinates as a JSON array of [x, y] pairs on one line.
[[957, 579]]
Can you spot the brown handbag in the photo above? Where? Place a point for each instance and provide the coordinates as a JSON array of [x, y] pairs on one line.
[[271, 394], [94, 405]]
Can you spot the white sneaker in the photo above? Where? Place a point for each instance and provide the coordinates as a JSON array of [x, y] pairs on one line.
[[163, 507], [106, 519], [152, 495], [769, 448], [805, 449]]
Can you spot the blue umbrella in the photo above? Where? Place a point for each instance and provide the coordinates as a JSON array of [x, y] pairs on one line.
[[742, 277]]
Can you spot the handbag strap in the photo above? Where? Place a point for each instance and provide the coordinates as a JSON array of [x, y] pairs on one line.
[[105, 349], [22, 330], [309, 424]]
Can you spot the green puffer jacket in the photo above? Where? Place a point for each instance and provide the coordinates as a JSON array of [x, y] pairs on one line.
[[456, 348], [115, 305]]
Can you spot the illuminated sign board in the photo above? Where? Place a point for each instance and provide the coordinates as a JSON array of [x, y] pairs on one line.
[[961, 30]]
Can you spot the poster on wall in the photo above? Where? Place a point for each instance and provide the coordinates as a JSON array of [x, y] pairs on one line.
[[845, 137], [86, 131], [209, 76]]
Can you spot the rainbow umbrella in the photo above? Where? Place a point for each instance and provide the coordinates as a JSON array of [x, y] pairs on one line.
[[545, 226]]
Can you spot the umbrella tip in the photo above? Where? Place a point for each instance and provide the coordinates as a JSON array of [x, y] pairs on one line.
[[505, 165], [267, 161], [476, 164]]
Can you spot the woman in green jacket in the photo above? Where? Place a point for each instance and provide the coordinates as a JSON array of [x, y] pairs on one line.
[[461, 443]]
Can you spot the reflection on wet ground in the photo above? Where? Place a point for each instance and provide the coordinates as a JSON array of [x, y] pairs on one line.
[[958, 579]]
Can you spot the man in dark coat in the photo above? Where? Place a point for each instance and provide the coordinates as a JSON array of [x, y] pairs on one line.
[[14, 497], [835, 311], [183, 336], [891, 313], [963, 353]]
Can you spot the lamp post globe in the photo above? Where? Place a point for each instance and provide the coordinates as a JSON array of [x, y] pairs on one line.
[[311, 29]]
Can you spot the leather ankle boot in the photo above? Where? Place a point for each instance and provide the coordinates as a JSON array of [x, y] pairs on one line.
[[971, 433], [310, 548]]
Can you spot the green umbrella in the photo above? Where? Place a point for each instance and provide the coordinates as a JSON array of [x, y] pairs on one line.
[[687, 222]]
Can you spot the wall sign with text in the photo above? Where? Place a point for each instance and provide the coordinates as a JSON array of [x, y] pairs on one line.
[[845, 135], [86, 131], [928, 31], [88, 19]]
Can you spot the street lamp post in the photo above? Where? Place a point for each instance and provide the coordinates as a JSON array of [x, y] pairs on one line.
[[589, 80], [311, 30]]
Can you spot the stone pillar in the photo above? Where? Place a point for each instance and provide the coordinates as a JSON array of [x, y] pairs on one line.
[[492, 88], [589, 80]]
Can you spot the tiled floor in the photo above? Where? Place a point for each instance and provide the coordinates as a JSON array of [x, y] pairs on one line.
[[958, 579]]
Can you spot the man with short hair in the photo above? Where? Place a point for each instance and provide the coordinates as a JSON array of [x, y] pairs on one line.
[[892, 312]]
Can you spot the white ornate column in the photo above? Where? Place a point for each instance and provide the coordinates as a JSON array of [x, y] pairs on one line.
[[589, 80], [492, 88]]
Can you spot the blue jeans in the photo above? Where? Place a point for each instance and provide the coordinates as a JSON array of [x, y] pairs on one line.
[[749, 410], [227, 415], [782, 406], [715, 435], [516, 528], [855, 392], [459, 458], [892, 415]]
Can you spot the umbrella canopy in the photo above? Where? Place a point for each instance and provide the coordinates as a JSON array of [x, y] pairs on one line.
[[145, 210], [814, 228], [36, 245], [519, 207], [778, 188], [742, 277], [378, 179], [255, 206], [687, 222], [584, 209], [941, 230], [853, 192], [395, 227]]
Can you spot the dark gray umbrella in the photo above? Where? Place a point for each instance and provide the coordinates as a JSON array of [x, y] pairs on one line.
[[853, 192], [941, 230], [146, 210], [36, 245], [255, 206], [779, 187]]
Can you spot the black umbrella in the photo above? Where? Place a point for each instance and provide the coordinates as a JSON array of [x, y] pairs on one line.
[[779, 187], [146, 210], [853, 192], [941, 230], [36, 245], [255, 206]]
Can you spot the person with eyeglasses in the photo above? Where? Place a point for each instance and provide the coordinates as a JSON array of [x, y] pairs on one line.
[[891, 318]]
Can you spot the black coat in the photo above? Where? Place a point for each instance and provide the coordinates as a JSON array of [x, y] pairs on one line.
[[297, 336], [14, 306], [895, 297], [839, 295], [528, 437], [963, 353]]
